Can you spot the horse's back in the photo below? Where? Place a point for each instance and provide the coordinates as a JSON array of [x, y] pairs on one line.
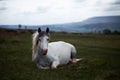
[[61, 50], [61, 43]]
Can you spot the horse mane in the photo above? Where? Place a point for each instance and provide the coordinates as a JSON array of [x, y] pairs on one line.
[[34, 43]]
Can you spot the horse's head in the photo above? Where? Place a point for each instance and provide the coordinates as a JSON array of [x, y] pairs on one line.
[[43, 39]]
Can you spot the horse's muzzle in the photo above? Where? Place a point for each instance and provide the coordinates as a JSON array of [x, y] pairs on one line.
[[44, 51]]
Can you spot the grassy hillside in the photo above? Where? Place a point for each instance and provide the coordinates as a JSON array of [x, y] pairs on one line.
[[101, 55]]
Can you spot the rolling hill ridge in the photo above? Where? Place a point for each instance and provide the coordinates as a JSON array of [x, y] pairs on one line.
[[89, 25]]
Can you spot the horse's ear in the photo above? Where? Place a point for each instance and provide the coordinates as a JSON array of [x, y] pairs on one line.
[[39, 30], [47, 30]]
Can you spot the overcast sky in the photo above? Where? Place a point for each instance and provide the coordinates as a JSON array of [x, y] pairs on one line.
[[37, 12]]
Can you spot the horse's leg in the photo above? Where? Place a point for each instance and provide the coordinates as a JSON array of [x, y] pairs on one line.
[[41, 67], [55, 64], [45, 68]]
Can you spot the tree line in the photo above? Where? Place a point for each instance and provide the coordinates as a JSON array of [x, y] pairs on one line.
[[20, 26], [105, 31], [108, 31]]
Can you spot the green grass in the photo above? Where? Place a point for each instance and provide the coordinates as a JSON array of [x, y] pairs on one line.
[[101, 55]]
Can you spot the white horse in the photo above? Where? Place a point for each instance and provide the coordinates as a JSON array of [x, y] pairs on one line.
[[50, 55]]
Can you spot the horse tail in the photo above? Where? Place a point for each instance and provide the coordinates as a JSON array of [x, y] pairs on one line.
[[73, 52], [34, 45]]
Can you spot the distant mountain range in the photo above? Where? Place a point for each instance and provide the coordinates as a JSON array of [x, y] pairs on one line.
[[95, 24]]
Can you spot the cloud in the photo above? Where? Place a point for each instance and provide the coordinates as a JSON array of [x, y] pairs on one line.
[[117, 2], [102, 7], [55, 11], [43, 9], [2, 8], [38, 11], [113, 8]]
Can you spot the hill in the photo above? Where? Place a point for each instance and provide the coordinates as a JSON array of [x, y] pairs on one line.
[[94, 24], [90, 25]]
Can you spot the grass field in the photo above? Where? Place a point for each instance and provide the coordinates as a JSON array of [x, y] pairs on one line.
[[101, 55]]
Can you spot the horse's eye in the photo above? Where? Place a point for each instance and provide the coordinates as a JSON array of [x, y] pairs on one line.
[[39, 39]]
